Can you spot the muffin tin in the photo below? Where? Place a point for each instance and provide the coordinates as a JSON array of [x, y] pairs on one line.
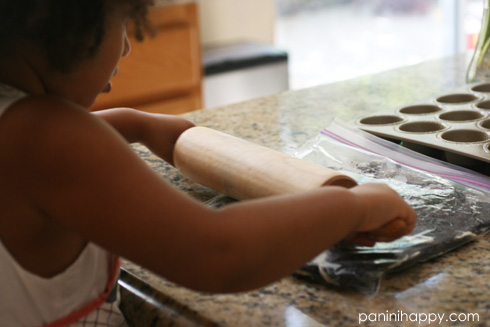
[[454, 126]]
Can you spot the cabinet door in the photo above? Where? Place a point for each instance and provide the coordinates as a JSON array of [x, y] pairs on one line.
[[164, 72]]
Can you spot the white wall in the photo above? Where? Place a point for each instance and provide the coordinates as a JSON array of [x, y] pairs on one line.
[[236, 20]]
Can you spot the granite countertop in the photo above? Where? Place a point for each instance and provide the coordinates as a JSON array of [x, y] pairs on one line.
[[457, 282]]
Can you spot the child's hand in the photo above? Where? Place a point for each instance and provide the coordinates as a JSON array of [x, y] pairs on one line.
[[386, 215], [161, 132]]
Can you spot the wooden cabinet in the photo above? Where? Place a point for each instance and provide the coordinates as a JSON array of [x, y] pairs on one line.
[[163, 73]]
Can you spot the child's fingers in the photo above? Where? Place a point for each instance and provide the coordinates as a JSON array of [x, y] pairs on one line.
[[395, 229], [388, 232], [363, 239], [391, 231]]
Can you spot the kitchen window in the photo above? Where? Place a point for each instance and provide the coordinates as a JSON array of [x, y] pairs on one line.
[[333, 40]]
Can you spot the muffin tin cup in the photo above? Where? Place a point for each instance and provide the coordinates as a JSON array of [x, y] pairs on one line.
[[455, 125], [482, 105], [461, 116], [480, 88], [421, 109], [457, 98], [382, 120], [486, 147]]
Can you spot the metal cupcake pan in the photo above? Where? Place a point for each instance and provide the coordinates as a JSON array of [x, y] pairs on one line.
[[454, 125]]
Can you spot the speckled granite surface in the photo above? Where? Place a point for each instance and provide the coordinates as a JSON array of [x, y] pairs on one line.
[[458, 282]]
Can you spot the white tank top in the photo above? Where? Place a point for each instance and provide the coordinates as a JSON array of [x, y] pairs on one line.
[[79, 296]]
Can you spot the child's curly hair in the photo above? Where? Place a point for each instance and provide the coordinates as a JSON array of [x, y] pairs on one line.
[[68, 31]]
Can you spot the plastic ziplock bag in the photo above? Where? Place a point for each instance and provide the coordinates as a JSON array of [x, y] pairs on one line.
[[452, 204]]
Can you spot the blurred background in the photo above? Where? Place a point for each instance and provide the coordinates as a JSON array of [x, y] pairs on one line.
[[332, 40], [217, 52]]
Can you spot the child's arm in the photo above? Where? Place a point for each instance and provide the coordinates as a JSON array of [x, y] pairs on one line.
[[157, 131], [81, 175]]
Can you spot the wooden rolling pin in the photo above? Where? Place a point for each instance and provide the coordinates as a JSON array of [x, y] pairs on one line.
[[245, 170]]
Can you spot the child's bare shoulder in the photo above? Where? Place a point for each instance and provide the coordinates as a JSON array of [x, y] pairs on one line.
[[47, 131], [45, 121], [38, 112]]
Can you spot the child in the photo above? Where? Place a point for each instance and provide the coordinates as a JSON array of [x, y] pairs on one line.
[[74, 196]]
